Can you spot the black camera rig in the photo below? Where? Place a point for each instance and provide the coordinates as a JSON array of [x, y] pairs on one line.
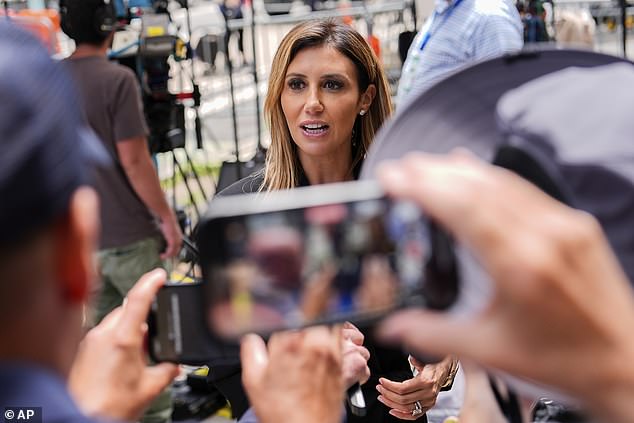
[[164, 111]]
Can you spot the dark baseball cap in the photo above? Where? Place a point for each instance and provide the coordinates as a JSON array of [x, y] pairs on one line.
[[46, 150]]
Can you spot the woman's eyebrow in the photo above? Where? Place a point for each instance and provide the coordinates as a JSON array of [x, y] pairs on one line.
[[325, 76], [334, 75]]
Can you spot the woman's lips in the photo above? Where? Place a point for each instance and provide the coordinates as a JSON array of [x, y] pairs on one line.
[[314, 129]]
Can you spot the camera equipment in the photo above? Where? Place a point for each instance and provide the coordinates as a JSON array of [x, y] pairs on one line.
[[151, 52], [194, 399], [165, 115], [156, 44]]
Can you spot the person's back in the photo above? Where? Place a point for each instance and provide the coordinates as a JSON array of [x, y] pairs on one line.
[[112, 109], [133, 206]]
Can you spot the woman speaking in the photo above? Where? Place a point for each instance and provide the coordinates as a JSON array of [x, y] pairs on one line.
[[326, 99]]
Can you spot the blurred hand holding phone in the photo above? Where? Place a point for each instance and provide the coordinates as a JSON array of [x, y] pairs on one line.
[[289, 259]]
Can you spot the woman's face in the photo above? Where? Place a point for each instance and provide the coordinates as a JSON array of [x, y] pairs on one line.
[[321, 101]]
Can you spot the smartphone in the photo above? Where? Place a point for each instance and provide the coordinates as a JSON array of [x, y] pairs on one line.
[[289, 259], [176, 326]]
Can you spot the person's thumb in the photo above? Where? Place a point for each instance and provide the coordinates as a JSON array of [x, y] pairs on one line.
[[254, 358]]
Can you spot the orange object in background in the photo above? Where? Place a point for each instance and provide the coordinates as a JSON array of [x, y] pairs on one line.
[[372, 40], [49, 14], [344, 6], [44, 24], [375, 45]]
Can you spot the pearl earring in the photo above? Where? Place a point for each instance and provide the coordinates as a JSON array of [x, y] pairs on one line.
[[362, 112]]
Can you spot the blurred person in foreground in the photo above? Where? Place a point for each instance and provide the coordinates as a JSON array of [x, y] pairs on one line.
[[49, 224], [327, 98], [529, 244]]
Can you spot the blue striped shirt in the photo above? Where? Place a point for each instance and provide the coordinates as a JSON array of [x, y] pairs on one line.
[[472, 31]]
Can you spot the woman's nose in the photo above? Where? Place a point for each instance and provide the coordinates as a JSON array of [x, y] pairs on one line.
[[313, 102]]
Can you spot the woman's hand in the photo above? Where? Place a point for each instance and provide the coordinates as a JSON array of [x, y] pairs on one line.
[[402, 397], [355, 356]]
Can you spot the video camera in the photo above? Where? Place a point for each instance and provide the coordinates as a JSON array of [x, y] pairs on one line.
[[164, 112]]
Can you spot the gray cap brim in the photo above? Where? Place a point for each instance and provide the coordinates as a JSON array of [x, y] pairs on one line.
[[460, 110]]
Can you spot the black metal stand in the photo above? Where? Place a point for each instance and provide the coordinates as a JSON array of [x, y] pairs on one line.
[[233, 98], [256, 80], [190, 193], [623, 5]]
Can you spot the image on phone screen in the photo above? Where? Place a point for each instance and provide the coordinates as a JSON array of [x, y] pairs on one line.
[[290, 268]]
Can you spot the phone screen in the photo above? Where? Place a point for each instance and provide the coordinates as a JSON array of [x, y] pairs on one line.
[[291, 268]]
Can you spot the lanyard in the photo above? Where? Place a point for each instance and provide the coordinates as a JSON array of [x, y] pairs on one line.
[[446, 15]]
